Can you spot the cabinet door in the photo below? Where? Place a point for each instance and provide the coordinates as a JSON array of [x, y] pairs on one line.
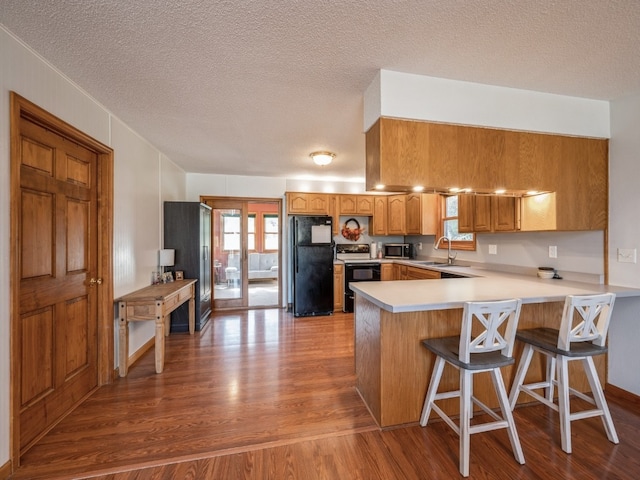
[[482, 214], [348, 205], [466, 207], [415, 273], [338, 286], [334, 211], [386, 272], [413, 214], [308, 203], [364, 205], [379, 226], [396, 215], [505, 213]]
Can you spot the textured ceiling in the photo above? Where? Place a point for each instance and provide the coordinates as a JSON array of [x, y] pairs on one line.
[[251, 87]]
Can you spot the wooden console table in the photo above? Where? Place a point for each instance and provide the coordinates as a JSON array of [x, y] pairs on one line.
[[153, 303]]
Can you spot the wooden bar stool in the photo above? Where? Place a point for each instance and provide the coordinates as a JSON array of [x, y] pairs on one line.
[[486, 351], [580, 337]]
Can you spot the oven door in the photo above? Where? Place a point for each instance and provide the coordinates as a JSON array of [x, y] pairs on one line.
[[358, 272]]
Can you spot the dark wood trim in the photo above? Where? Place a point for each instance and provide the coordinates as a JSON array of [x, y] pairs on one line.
[[21, 107]]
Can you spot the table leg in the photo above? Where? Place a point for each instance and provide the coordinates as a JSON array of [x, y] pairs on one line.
[[192, 314], [159, 337], [123, 347]]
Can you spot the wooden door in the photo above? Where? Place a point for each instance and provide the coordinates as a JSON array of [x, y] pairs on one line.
[[57, 327]]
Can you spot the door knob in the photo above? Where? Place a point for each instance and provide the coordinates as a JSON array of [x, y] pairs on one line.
[[95, 281]]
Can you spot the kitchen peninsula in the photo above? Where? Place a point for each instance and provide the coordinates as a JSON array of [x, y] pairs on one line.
[[391, 318]]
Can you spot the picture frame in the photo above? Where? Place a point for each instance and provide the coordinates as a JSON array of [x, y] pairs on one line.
[[179, 275], [167, 277]]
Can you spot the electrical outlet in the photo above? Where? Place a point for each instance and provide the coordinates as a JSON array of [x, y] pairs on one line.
[[553, 251], [627, 255], [419, 245], [493, 249]]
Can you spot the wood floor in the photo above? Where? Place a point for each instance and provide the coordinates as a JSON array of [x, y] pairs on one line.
[[262, 395]]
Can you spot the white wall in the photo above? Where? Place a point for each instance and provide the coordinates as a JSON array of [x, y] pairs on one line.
[[403, 95], [624, 232], [143, 177], [579, 258]]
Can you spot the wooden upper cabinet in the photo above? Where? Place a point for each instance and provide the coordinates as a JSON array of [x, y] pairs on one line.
[[404, 153], [422, 214], [308, 203], [334, 211], [348, 204], [379, 226], [356, 205], [482, 214], [505, 214], [396, 215], [466, 207], [364, 205], [488, 213]]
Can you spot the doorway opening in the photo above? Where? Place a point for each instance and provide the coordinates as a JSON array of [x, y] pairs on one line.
[[246, 252]]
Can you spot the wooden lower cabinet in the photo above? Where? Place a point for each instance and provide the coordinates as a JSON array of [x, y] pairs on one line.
[[386, 272], [338, 287], [416, 273]]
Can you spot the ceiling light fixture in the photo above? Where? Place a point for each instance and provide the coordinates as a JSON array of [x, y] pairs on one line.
[[322, 158]]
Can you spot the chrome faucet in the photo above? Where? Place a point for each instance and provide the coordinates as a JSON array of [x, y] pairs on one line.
[[450, 258]]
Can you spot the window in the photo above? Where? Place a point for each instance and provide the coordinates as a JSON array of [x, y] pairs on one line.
[[231, 232], [270, 232], [449, 225]]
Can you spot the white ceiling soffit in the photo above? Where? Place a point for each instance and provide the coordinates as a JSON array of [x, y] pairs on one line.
[[253, 87]]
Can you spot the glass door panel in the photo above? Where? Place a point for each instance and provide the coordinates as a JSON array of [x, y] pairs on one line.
[[229, 227], [246, 256]]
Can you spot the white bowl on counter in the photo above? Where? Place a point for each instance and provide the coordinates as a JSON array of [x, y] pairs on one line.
[[546, 273]]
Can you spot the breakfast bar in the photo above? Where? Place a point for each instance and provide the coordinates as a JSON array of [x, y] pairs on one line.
[[391, 318]]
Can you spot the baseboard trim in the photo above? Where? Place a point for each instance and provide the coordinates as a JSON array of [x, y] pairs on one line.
[[141, 351], [622, 394], [5, 470]]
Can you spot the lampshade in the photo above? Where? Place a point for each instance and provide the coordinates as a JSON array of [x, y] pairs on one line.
[[167, 257], [322, 158]]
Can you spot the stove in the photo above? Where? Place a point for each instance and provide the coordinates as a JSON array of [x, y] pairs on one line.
[[358, 267]]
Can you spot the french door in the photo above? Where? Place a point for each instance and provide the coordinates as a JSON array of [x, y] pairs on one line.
[[246, 238]]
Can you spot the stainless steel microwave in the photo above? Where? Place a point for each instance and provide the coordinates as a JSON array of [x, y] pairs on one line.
[[398, 250]]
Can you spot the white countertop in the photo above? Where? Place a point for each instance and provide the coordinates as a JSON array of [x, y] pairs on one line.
[[485, 285]]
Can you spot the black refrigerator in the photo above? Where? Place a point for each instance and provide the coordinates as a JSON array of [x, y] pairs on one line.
[[312, 265]]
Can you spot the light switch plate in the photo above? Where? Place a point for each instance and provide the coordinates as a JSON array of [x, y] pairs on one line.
[[553, 251], [627, 255], [493, 249]]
